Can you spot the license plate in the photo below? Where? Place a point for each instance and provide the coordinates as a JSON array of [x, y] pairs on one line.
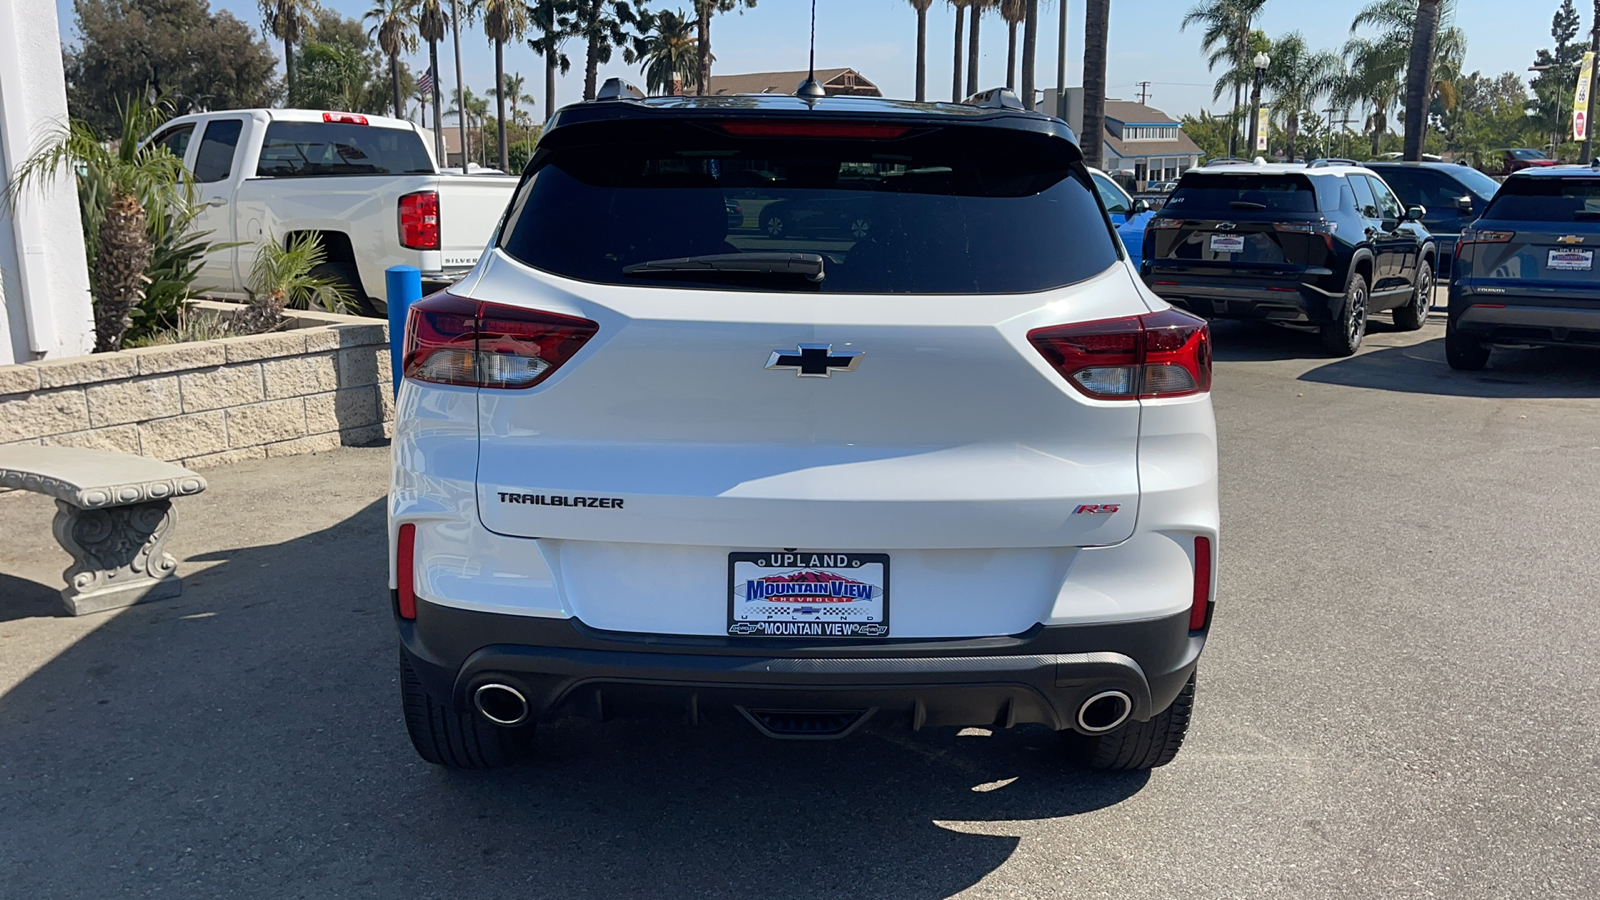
[[1227, 243], [808, 594], [1570, 260]]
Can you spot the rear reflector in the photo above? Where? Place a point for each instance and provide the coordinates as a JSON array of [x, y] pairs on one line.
[[419, 220], [453, 340], [1162, 354], [405, 553], [780, 128], [1200, 606], [344, 118]]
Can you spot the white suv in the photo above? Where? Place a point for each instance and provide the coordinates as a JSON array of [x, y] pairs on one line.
[[959, 471]]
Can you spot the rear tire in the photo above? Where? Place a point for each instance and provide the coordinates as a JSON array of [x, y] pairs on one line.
[[1414, 314], [1463, 352], [1138, 745], [446, 736], [1342, 336], [348, 277]]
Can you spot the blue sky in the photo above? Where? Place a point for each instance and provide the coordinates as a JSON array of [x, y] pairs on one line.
[[878, 39]]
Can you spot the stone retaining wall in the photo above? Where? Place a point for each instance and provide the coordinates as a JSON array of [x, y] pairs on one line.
[[318, 386]]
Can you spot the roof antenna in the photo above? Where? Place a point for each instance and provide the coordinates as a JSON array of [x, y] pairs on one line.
[[811, 88]]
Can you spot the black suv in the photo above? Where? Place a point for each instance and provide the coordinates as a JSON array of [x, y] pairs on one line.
[[1321, 247], [1452, 194]]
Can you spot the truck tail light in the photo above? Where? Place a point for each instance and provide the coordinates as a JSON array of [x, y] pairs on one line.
[[1200, 606], [419, 220], [453, 340], [405, 562], [1161, 354]]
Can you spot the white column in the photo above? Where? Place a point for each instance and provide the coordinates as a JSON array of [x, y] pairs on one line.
[[45, 310]]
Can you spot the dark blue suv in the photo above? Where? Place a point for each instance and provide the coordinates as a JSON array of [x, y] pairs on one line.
[[1320, 246], [1525, 273], [1453, 195]]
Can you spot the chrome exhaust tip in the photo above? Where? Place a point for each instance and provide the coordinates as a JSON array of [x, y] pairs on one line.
[[501, 704], [1104, 712]]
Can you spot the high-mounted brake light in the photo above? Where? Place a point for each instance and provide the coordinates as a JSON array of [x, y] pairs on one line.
[[405, 563], [1161, 354], [453, 340], [1200, 606], [780, 128], [344, 118], [419, 220]]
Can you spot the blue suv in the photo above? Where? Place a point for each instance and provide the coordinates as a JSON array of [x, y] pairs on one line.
[[1525, 273]]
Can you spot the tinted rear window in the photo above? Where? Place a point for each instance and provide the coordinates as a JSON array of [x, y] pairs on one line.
[[1235, 194], [312, 149], [940, 210], [1547, 200]]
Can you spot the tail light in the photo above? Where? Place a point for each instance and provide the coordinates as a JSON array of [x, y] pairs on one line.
[[453, 340], [405, 561], [419, 220], [1200, 606], [1473, 236], [1166, 223], [1325, 229], [1162, 354]]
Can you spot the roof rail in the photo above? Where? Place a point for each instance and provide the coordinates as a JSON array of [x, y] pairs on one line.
[[995, 98], [1225, 161], [617, 89], [1331, 161]]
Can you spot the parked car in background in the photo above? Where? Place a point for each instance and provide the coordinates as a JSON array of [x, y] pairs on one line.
[[1130, 216], [1321, 247], [821, 214], [368, 186], [1452, 196], [1161, 187], [1515, 159], [735, 212], [994, 450], [1525, 271]]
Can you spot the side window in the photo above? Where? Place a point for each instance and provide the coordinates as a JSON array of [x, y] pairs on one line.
[[1366, 202], [176, 140], [214, 161], [1114, 201], [1388, 204]]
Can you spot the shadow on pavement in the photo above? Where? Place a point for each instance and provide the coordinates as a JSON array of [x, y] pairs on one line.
[[1541, 372], [245, 740], [24, 599]]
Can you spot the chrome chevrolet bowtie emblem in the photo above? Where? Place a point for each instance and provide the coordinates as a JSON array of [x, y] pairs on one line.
[[1569, 239], [815, 360]]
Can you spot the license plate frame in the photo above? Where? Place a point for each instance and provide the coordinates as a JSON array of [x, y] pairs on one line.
[[850, 602], [1227, 243], [1576, 261]]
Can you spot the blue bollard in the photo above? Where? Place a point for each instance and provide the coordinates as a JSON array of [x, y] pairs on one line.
[[404, 284]]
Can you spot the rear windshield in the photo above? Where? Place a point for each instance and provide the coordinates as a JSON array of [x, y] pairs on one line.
[[1234, 194], [1527, 154], [937, 210], [311, 149], [1547, 200]]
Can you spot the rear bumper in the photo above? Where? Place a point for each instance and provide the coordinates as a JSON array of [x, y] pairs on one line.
[[566, 668], [1506, 320], [1304, 299]]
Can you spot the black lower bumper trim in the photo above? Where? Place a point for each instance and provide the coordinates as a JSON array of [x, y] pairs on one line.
[[566, 668]]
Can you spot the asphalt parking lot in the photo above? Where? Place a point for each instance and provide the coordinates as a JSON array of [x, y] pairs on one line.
[[1400, 698]]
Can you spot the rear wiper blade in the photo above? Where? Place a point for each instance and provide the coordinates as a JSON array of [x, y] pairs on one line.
[[1246, 204], [806, 265]]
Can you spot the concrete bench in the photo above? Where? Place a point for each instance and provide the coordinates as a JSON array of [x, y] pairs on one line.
[[113, 514]]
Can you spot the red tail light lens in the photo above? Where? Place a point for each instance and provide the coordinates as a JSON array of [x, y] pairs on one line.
[[419, 220], [1162, 354], [1164, 222], [453, 340], [345, 118], [405, 561], [1200, 606]]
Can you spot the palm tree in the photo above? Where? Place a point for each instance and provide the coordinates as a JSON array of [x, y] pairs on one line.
[[1297, 78], [603, 25], [1030, 50], [422, 97], [513, 83], [921, 6], [503, 20], [704, 10], [973, 47], [955, 75], [666, 52], [392, 29], [552, 19], [1419, 76], [1096, 35], [1375, 80], [287, 20], [1014, 12], [432, 23], [142, 179], [1226, 38]]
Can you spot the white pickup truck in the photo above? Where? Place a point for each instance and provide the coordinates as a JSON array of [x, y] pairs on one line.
[[367, 185]]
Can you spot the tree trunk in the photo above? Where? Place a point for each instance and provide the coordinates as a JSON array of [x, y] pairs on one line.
[[123, 256], [1011, 55], [972, 50], [1030, 53], [549, 82], [1379, 120], [1061, 66], [955, 78], [394, 79], [1419, 77], [922, 54], [1096, 31], [500, 103], [591, 68], [288, 71], [703, 44], [438, 118], [1291, 130], [461, 91]]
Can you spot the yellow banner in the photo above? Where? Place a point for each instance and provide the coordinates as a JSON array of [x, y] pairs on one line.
[[1263, 125], [1580, 98]]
